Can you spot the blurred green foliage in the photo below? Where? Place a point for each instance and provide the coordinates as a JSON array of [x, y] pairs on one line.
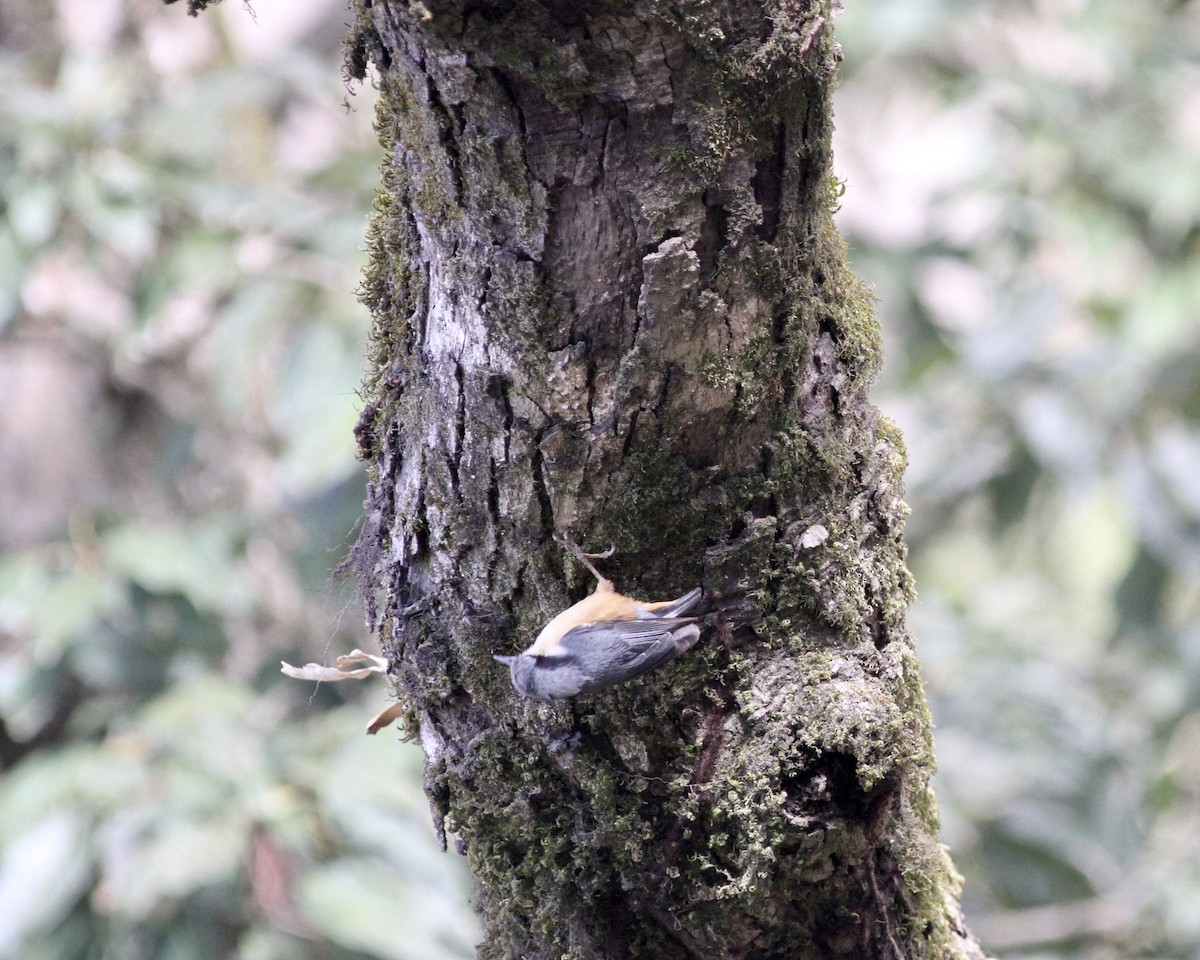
[[182, 205], [1023, 189]]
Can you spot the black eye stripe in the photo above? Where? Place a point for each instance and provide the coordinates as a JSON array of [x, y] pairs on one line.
[[551, 663]]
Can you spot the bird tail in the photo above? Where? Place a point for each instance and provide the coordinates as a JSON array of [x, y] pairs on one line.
[[678, 608]]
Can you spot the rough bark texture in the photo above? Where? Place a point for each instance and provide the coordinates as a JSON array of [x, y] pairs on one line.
[[610, 299]]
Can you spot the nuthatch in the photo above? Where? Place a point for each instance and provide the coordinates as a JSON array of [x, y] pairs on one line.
[[602, 640]]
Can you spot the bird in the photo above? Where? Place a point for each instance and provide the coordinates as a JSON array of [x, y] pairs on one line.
[[604, 639]]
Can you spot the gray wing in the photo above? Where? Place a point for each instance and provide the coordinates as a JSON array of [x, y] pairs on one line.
[[613, 651]]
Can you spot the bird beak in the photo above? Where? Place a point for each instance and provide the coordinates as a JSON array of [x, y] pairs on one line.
[[507, 661]]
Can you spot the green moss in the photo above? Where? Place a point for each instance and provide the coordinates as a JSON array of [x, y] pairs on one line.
[[860, 340], [389, 289], [889, 433], [748, 90], [562, 77], [723, 130], [742, 374], [360, 44], [689, 512]]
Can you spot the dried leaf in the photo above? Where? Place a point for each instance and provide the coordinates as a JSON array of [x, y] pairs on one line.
[[319, 671], [385, 717], [357, 656]]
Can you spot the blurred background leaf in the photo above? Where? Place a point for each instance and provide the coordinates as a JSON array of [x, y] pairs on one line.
[[1023, 191], [182, 205]]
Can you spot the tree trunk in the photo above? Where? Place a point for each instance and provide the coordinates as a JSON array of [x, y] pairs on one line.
[[610, 299]]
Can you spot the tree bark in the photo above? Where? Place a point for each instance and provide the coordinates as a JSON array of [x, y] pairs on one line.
[[609, 298]]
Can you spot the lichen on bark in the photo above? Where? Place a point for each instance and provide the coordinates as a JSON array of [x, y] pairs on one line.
[[609, 298]]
